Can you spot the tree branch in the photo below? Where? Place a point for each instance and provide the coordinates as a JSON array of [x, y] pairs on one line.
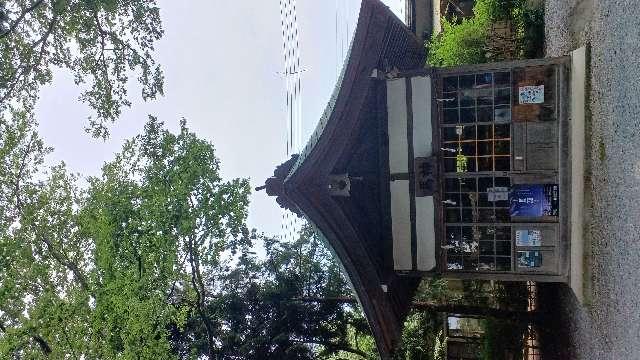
[[42, 343], [23, 163], [336, 299], [67, 263], [333, 346], [26, 69], [24, 13], [198, 285]]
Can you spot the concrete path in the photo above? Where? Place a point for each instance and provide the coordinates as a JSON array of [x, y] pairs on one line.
[[608, 326]]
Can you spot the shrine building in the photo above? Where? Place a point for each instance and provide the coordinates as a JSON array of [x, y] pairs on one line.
[[472, 172]]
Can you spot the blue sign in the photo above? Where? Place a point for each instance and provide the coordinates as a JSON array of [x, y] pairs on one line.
[[534, 200]]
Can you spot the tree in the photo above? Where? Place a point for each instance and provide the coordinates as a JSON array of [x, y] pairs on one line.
[[293, 303], [105, 272], [152, 260], [101, 42]]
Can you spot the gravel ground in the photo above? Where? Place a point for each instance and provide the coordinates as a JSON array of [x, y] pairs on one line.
[[609, 328]]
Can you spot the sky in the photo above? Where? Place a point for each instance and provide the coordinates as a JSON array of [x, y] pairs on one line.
[[223, 64]]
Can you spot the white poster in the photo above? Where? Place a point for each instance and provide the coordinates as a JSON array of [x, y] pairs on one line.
[[531, 94], [528, 238]]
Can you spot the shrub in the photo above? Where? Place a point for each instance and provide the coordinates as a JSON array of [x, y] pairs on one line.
[[465, 41]]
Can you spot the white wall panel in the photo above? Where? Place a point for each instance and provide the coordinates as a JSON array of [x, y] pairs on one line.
[[425, 232], [397, 126], [421, 108], [401, 224]]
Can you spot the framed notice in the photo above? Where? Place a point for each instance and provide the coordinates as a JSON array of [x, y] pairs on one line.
[[528, 238], [531, 94], [535, 200], [529, 259]]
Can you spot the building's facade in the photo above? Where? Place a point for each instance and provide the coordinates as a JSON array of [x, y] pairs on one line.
[[414, 172]]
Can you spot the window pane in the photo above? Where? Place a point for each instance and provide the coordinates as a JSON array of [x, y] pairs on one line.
[[503, 163], [503, 263], [467, 81], [485, 132], [452, 199], [484, 80], [467, 215], [470, 263], [485, 97], [450, 116], [450, 99], [466, 200], [503, 182], [503, 131], [467, 98], [485, 148], [485, 114], [468, 184], [485, 164], [467, 115], [449, 134], [486, 232], [486, 215], [486, 263], [502, 114], [469, 148], [503, 233], [484, 183], [502, 96], [502, 79], [486, 248], [503, 147], [452, 184], [469, 132], [453, 215], [503, 248], [467, 233], [450, 165], [502, 215], [453, 232], [454, 263], [450, 83]]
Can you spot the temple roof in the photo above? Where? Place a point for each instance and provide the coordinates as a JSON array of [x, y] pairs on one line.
[[350, 141]]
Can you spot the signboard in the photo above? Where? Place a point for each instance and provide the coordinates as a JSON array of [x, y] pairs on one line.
[[531, 94], [529, 259], [534, 200], [528, 237], [498, 194]]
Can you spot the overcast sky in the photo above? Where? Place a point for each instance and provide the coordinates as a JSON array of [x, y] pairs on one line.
[[222, 61]]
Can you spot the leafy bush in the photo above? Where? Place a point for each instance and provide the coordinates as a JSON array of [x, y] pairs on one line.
[[502, 337], [464, 41]]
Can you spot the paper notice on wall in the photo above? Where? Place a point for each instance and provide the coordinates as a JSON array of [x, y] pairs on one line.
[[498, 194], [534, 200], [531, 94], [529, 259], [528, 238]]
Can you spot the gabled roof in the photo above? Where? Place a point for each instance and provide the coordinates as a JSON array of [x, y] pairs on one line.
[[348, 139]]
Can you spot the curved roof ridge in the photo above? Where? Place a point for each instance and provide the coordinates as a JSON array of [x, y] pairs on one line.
[[329, 108]]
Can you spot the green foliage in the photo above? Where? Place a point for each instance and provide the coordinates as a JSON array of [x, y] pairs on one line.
[[502, 337], [101, 42], [464, 41], [107, 272], [153, 261], [292, 304], [422, 336]]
